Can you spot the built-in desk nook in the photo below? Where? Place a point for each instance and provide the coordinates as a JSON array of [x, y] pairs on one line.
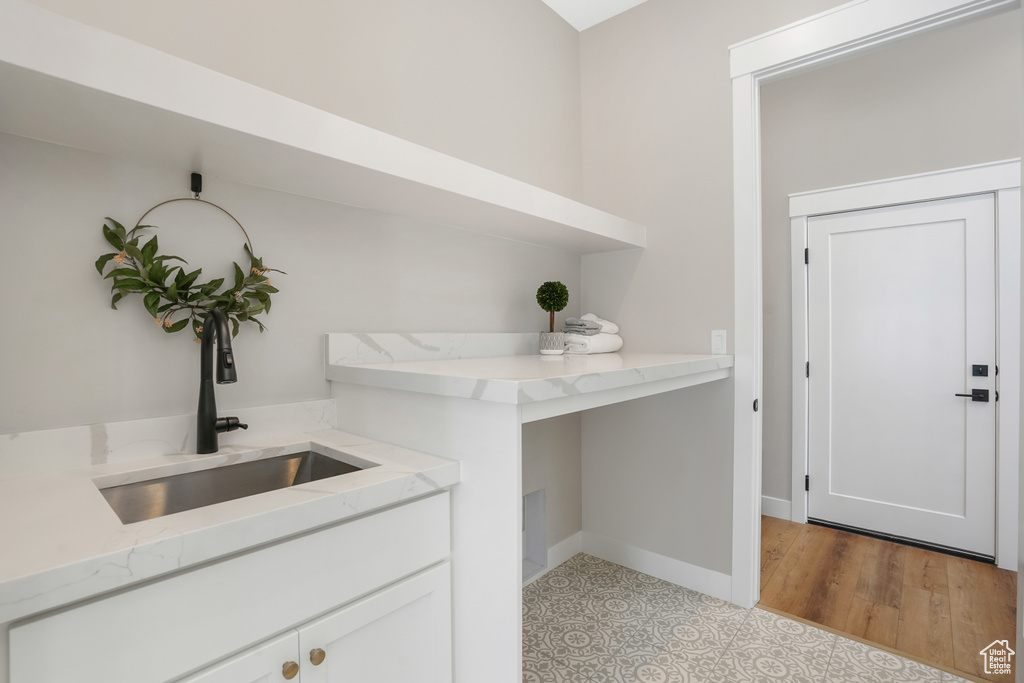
[[467, 397]]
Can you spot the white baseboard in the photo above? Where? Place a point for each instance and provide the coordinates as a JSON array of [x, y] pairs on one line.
[[564, 550], [559, 553], [678, 572], [776, 507]]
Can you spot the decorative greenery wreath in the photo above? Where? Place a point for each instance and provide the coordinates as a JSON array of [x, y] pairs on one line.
[[169, 290]]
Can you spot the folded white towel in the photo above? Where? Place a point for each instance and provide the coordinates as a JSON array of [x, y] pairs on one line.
[[606, 326], [598, 343]]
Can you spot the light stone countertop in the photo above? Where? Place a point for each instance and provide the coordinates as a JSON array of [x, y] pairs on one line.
[[522, 379], [62, 542]]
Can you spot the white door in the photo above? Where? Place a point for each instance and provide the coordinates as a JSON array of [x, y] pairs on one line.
[[269, 662], [400, 634], [901, 308]]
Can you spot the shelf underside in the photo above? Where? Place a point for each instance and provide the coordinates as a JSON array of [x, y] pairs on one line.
[[98, 92]]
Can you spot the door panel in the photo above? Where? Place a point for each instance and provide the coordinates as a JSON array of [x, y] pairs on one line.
[[263, 663], [397, 635], [901, 305]]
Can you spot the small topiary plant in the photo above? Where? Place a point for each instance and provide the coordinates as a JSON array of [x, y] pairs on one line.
[[552, 297]]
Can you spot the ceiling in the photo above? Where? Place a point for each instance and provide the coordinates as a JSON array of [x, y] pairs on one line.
[[583, 14]]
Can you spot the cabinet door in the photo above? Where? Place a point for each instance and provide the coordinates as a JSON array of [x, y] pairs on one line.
[[264, 663], [397, 635]]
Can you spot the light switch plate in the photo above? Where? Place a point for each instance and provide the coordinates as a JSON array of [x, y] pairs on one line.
[[718, 344]]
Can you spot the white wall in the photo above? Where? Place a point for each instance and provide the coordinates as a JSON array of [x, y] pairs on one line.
[[551, 461], [948, 98], [68, 359], [656, 486], [496, 85], [657, 148]]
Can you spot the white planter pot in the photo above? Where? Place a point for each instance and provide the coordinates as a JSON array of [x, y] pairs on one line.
[[552, 343]]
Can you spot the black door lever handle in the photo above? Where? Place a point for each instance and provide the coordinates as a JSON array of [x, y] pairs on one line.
[[976, 395]]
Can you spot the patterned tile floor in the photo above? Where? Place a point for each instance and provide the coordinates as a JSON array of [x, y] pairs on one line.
[[591, 621]]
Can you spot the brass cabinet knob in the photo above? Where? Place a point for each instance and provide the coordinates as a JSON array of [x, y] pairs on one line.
[[290, 670], [317, 656]]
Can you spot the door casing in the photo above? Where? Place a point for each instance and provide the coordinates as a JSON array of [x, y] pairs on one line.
[[1000, 178]]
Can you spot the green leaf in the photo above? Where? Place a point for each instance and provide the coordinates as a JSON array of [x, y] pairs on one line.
[[234, 327], [118, 228], [115, 241], [172, 291], [121, 272], [102, 261], [262, 326], [266, 288], [182, 280], [130, 284], [239, 277], [185, 280], [114, 299], [168, 257], [133, 251], [150, 301], [176, 327], [165, 307], [158, 273], [212, 286], [149, 250]]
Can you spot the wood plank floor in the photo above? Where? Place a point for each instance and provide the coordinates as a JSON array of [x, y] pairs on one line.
[[935, 608]]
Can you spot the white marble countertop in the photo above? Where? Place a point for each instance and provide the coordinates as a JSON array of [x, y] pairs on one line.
[[525, 379], [62, 542]]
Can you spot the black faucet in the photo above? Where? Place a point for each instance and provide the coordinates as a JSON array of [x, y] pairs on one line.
[[208, 425]]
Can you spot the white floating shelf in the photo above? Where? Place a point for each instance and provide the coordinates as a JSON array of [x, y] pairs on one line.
[[75, 85]]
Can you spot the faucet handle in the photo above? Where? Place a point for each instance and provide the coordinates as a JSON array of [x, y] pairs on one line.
[[229, 424]]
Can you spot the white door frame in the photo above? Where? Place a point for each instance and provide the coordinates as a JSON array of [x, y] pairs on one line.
[[999, 178], [839, 32]]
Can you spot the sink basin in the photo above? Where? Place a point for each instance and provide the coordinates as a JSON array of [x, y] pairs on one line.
[[167, 495]]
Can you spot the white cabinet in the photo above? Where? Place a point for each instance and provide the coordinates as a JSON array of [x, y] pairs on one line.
[[166, 629], [399, 634]]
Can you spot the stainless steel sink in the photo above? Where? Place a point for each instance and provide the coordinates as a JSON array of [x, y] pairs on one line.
[[167, 495]]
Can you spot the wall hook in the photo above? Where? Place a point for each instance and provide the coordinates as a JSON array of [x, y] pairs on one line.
[[197, 184]]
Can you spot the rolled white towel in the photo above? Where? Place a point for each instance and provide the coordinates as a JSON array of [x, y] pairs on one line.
[[598, 343], [606, 325]]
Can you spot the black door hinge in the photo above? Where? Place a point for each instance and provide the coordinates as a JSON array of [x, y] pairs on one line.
[[807, 369], [807, 255], [755, 405], [807, 482]]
